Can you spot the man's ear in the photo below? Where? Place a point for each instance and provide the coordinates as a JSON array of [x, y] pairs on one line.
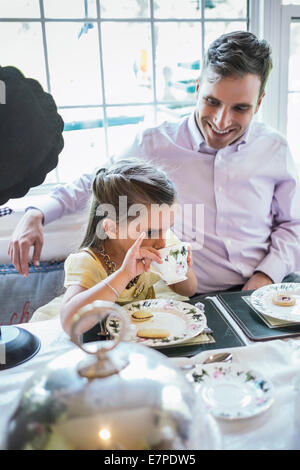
[[259, 102], [110, 228]]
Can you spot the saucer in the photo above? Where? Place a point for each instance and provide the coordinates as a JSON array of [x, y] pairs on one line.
[[232, 392]]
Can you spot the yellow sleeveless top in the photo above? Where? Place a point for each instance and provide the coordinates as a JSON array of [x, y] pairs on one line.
[[86, 270]]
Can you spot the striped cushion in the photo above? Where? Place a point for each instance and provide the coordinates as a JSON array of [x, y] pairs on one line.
[[21, 296]]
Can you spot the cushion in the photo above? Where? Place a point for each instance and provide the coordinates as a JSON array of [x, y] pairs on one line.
[[21, 296]]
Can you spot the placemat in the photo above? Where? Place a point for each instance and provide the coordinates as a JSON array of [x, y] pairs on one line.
[[203, 338], [249, 321], [223, 335]]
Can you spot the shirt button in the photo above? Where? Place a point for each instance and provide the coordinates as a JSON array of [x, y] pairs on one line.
[[221, 219], [220, 189], [229, 242]]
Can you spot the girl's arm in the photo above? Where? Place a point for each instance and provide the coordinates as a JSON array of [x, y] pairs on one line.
[[136, 261], [188, 287], [77, 297]]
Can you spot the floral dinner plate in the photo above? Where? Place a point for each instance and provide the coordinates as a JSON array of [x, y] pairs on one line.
[[262, 300], [181, 320], [232, 392]]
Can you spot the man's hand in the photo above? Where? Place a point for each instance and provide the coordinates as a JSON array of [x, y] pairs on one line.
[[256, 281], [29, 232]]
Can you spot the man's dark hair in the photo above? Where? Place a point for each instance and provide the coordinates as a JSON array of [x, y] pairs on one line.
[[237, 54]]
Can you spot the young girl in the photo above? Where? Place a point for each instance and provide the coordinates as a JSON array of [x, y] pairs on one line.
[[113, 263]]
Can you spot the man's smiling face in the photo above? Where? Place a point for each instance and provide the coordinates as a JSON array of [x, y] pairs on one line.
[[225, 107]]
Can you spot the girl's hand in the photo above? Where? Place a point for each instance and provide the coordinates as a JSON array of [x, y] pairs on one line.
[[189, 258], [138, 259]]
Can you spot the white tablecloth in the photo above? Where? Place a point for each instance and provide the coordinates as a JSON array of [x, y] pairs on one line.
[[277, 428]]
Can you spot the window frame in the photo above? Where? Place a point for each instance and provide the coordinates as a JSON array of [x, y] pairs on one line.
[[275, 28], [98, 21], [289, 12]]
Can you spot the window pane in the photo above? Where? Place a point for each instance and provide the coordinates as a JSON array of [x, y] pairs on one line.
[[294, 64], [177, 9], [225, 8], [127, 62], [214, 29], [174, 112], [69, 9], [84, 147], [293, 121], [125, 8], [74, 64], [19, 8], [124, 124], [178, 52], [293, 125], [290, 2], [25, 49]]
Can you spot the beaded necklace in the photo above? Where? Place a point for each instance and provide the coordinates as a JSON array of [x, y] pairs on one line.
[[112, 267]]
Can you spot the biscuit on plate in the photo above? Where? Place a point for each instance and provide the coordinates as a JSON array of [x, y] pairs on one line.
[[141, 315], [153, 333], [284, 300]]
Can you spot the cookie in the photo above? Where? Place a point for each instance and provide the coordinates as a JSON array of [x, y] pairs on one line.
[[284, 300], [153, 333], [141, 315]]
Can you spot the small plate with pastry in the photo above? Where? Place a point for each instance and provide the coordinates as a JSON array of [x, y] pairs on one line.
[[281, 301], [160, 322]]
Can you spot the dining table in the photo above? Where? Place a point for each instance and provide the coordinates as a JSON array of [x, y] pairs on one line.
[[277, 360]]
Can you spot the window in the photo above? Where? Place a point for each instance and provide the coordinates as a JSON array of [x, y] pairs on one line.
[[281, 104], [113, 64], [290, 78]]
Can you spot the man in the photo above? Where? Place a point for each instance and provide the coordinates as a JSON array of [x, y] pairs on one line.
[[240, 170]]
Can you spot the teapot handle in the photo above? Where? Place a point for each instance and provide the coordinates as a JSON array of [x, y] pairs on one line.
[[101, 364]]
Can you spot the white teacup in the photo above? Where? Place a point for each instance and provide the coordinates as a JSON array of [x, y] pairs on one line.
[[174, 266]]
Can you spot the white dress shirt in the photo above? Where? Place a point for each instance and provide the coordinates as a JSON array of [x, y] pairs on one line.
[[242, 202]]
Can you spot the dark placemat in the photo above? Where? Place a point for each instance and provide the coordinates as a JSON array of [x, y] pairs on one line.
[[223, 333], [250, 322]]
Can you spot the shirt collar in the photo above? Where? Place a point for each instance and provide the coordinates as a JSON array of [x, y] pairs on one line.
[[197, 138], [199, 144]]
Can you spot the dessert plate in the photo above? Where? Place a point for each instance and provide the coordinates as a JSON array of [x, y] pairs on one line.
[[181, 320], [262, 300]]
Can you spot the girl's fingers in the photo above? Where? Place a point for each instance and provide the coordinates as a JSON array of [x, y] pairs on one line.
[[189, 257], [150, 253], [136, 245], [147, 263]]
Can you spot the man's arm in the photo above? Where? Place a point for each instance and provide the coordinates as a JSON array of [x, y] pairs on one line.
[[283, 257], [63, 200], [29, 231], [67, 199]]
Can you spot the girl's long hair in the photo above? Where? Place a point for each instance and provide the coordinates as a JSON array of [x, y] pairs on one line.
[[134, 178]]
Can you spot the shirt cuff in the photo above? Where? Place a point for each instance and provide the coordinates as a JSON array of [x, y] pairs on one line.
[[50, 207], [273, 267]]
